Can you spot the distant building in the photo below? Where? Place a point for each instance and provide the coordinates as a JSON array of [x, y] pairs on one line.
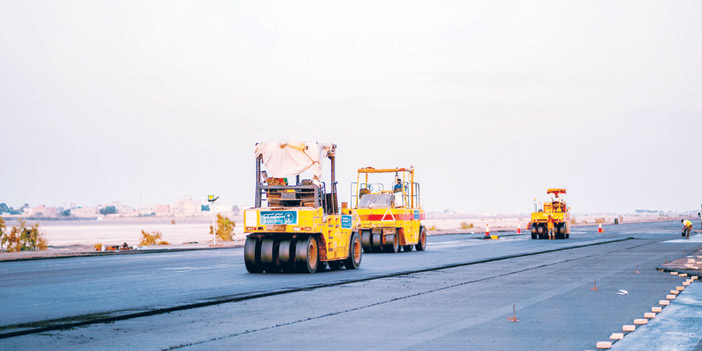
[[186, 207], [40, 211], [162, 210], [146, 210], [89, 211], [127, 211]]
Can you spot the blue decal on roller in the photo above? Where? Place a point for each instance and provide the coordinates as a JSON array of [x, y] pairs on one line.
[[346, 222], [278, 217]]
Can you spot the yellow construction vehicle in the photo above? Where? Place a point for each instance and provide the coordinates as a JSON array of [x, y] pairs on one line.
[[296, 225], [557, 210], [390, 218]]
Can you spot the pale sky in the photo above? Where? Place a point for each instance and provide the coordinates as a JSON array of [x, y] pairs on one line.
[[493, 102]]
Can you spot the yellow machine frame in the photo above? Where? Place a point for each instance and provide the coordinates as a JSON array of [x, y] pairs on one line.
[[390, 228], [558, 210]]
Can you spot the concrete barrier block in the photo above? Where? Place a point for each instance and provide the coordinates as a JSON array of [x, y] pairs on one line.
[[690, 260], [670, 297], [673, 273], [686, 283], [616, 336], [682, 275], [640, 321], [664, 302], [674, 292], [680, 288], [657, 309], [694, 277], [649, 315], [604, 345], [629, 327]]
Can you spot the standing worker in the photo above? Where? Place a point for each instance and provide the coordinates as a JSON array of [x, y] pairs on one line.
[[398, 185], [687, 228], [550, 225]]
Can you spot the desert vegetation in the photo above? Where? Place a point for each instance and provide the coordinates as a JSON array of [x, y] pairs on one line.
[[466, 225], [225, 228], [21, 237], [152, 238]]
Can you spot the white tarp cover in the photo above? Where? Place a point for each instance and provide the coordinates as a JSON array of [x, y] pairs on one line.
[[288, 159]]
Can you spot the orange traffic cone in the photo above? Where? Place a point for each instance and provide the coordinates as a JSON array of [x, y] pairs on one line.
[[600, 230], [487, 231], [519, 230]]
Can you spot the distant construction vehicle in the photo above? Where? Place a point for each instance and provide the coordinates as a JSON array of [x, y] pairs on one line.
[[558, 210], [390, 218], [296, 225]]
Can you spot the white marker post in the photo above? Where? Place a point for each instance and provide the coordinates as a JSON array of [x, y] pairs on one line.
[[212, 199]]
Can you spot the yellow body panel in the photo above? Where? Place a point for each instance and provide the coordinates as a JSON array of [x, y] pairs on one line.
[[334, 230], [542, 217], [407, 220]]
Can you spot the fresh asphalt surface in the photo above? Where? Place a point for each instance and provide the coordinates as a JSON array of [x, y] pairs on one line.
[[394, 301]]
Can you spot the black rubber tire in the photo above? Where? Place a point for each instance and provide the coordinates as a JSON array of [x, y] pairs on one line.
[[422, 241], [534, 234], [392, 243], [252, 255], [407, 248], [307, 254], [564, 231], [284, 256], [366, 238], [377, 242], [355, 256], [268, 258]]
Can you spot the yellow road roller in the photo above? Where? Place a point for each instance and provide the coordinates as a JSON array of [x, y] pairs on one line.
[[296, 224], [557, 210], [387, 203]]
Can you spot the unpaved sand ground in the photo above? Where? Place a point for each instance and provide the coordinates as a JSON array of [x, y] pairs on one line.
[[120, 230], [181, 230], [439, 223]]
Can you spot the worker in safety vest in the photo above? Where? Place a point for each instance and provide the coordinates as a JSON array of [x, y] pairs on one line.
[[687, 228], [550, 225]]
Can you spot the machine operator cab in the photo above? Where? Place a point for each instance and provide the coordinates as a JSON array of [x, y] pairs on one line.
[[557, 204], [404, 193]]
